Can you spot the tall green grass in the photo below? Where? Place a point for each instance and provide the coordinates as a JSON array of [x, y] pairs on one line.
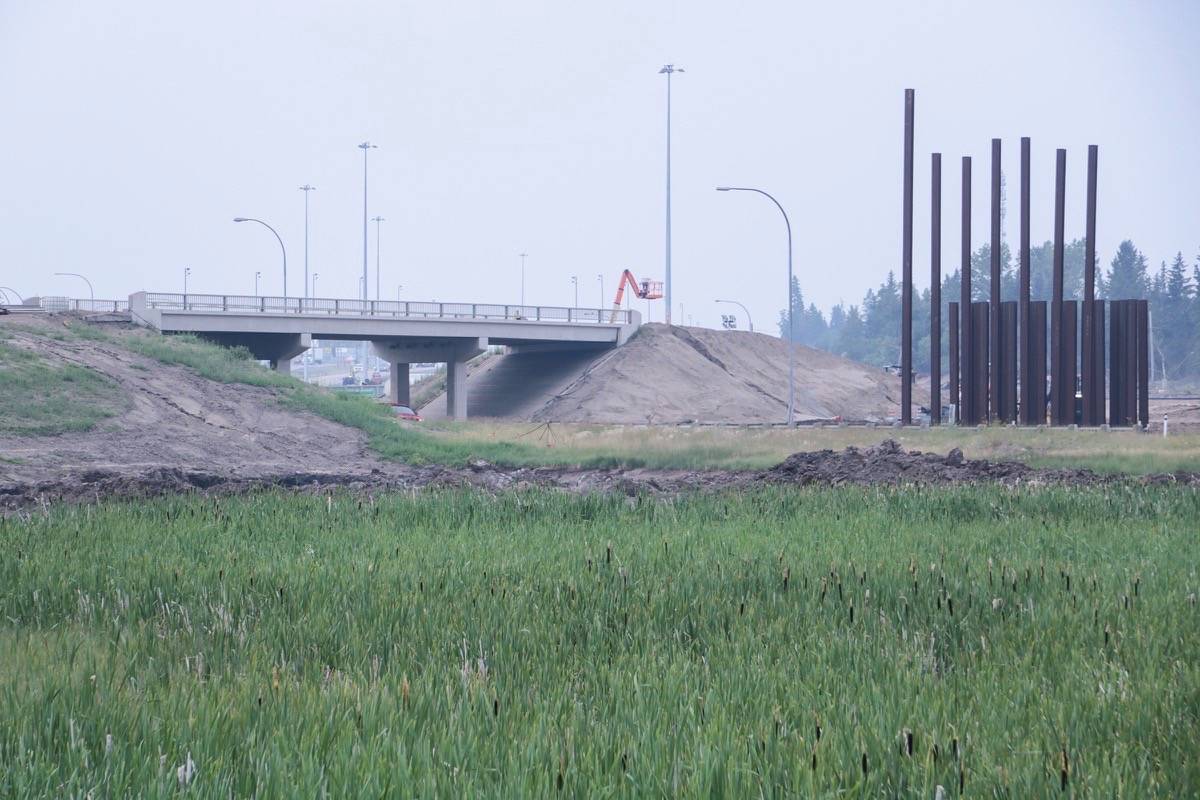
[[764, 644]]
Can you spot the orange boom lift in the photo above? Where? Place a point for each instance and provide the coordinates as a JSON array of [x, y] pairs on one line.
[[646, 290]]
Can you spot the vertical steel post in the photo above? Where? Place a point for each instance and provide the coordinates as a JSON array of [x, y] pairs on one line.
[[906, 266], [1098, 339], [982, 366], [966, 355], [1130, 374], [1037, 359], [1092, 392], [1116, 360], [952, 332], [1025, 338], [995, 395], [1060, 388], [1006, 368], [1070, 354], [1142, 323], [935, 292]]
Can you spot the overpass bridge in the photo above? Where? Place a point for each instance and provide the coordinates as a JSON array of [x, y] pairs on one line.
[[277, 329]]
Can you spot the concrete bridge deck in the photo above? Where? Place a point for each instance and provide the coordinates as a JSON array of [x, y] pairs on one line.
[[277, 329]]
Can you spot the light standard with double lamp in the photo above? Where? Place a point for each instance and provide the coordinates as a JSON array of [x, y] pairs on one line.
[[315, 275], [257, 276], [791, 420], [600, 277], [282, 249], [669, 70], [306, 189], [378, 245], [743, 308], [575, 283], [91, 293], [186, 272]]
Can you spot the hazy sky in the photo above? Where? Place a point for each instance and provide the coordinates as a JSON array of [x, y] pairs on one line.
[[134, 131]]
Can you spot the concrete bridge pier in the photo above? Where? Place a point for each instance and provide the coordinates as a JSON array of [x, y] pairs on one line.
[[454, 353]]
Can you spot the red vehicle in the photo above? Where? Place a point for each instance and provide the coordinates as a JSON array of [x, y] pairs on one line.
[[406, 413]]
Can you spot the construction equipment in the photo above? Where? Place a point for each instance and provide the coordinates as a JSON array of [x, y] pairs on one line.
[[646, 290]]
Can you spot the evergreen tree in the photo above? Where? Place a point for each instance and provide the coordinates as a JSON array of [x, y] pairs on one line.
[[1127, 278]]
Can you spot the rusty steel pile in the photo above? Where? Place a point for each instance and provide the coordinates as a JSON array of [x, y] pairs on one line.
[[998, 349]]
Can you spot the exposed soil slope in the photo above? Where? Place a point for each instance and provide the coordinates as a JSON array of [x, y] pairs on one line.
[[175, 420], [672, 375]]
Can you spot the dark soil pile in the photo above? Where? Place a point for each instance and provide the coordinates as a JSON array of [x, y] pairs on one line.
[[889, 463]]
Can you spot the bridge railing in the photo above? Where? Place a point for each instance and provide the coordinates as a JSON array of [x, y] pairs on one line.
[[57, 304], [241, 304]]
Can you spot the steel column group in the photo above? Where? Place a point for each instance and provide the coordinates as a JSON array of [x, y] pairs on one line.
[[999, 359]]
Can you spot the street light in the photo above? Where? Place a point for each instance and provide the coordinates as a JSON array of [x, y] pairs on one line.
[[186, 272], [399, 286], [522, 255], [306, 189], [85, 280], [791, 421], [575, 283], [277, 237], [377, 220], [743, 308], [315, 275], [669, 70], [257, 276], [20, 299], [365, 147], [600, 277]]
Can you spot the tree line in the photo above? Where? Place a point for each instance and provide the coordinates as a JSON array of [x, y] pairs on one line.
[[870, 331]]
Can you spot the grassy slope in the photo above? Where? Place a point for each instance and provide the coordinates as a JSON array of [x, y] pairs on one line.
[[41, 398], [1008, 627]]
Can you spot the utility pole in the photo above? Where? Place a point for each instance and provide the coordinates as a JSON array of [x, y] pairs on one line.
[[600, 277], [366, 147], [669, 70], [575, 283], [306, 189]]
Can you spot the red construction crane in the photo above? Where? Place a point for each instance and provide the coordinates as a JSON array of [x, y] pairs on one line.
[[646, 290]]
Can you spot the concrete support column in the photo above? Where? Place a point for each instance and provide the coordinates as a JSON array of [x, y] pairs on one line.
[[456, 389], [282, 365], [398, 393]]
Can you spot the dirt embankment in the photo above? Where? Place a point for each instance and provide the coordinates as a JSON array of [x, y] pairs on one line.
[[673, 375]]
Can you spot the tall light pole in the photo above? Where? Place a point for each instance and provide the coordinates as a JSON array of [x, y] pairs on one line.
[[669, 70], [377, 220], [366, 147], [399, 286], [743, 308], [257, 278], [791, 420], [306, 189], [282, 249], [523, 256], [600, 277], [314, 283], [186, 272], [575, 283], [91, 292]]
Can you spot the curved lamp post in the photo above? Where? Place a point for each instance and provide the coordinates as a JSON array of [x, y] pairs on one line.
[[743, 308], [77, 275], [6, 290], [791, 420], [281, 247]]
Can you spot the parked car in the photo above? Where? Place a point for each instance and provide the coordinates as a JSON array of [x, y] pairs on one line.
[[406, 413]]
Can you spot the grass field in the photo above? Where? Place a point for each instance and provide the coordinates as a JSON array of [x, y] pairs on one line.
[[846, 643], [38, 398]]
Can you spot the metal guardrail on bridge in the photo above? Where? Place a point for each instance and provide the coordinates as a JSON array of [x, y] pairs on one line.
[[51, 304], [224, 303]]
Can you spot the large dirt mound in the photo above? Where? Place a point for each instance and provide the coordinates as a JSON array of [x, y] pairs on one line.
[[674, 375]]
